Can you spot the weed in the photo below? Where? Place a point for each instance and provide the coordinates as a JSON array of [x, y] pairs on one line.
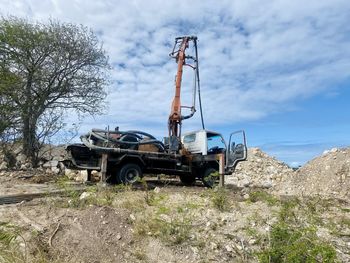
[[9, 245], [346, 210], [135, 202], [287, 211], [171, 224], [155, 199], [289, 240], [140, 254], [345, 222], [220, 199], [262, 196], [291, 244]]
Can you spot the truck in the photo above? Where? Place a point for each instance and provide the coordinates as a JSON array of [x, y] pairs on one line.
[[125, 156]]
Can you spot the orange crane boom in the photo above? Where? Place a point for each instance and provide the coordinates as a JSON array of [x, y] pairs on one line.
[[176, 117]]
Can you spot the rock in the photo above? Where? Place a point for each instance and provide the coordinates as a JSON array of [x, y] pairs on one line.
[[252, 241], [21, 158], [95, 175], [84, 195], [245, 182], [333, 150], [194, 250], [156, 190], [70, 173], [267, 184], [50, 164], [239, 247], [3, 166], [228, 248], [55, 170], [246, 196], [119, 236], [82, 176], [132, 217]]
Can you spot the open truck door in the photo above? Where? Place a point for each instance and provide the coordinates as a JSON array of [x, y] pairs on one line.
[[236, 150]]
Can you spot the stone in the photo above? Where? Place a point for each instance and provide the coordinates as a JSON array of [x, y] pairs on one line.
[[267, 184], [69, 173], [50, 164], [228, 248], [84, 195], [119, 236], [3, 166], [132, 217], [245, 182], [82, 176], [55, 170]]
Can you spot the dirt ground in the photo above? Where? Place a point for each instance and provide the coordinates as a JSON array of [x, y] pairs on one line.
[[266, 213], [166, 222]]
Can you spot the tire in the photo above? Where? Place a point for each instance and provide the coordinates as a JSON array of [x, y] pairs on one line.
[[208, 179], [129, 173], [187, 179]]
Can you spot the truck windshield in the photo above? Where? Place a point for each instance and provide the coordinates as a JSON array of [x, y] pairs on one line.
[[215, 141]]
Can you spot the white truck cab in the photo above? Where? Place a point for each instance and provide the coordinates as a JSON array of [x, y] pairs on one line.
[[203, 142], [206, 143]]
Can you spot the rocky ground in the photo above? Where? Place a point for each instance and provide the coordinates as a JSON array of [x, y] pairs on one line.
[[267, 213]]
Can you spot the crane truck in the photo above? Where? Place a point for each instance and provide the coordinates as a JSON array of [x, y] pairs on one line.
[[125, 156]]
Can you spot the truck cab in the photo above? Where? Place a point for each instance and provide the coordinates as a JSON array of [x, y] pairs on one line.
[[207, 146]]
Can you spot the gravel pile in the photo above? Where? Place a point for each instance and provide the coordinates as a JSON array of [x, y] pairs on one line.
[[260, 170], [326, 175]]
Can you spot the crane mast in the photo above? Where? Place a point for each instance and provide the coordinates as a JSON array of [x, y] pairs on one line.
[[176, 117]]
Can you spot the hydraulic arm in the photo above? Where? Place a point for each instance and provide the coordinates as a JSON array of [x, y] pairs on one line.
[[176, 117]]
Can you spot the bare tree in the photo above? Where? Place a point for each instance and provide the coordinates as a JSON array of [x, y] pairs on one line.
[[56, 67]]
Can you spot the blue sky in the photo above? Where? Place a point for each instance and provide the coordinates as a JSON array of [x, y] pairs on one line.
[[278, 69]]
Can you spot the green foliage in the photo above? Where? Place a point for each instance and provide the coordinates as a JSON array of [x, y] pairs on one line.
[[9, 246], [173, 230], [262, 196], [171, 224], [220, 199], [292, 244], [45, 69], [293, 240]]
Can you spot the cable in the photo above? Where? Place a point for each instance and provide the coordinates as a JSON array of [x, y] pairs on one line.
[[199, 87]]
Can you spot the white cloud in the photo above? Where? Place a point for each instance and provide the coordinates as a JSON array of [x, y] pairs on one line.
[[255, 58]]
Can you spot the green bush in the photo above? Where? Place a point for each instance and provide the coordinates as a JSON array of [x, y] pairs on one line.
[[220, 199], [291, 244]]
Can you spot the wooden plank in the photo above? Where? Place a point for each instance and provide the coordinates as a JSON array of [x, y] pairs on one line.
[[222, 170], [104, 167]]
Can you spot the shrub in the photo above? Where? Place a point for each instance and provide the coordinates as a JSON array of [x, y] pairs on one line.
[[291, 244]]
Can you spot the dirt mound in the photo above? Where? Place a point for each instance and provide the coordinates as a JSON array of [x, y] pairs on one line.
[[260, 170], [93, 235], [327, 175]]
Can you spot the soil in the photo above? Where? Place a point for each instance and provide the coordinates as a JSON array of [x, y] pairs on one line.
[[109, 224]]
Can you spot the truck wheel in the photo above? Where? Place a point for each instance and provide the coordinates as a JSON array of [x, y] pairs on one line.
[[209, 179], [129, 173], [187, 179]]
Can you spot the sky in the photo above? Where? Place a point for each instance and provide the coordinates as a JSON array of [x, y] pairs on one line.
[[280, 70]]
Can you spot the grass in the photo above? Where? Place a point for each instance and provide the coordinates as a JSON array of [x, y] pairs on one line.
[[14, 248], [9, 243], [171, 224], [263, 197], [293, 237], [220, 199], [173, 230], [288, 243]]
